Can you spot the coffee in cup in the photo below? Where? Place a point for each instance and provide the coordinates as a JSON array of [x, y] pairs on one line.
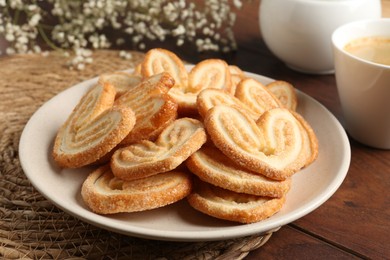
[[375, 49]]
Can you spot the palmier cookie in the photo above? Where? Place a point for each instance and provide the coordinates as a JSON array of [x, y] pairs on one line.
[[161, 60], [236, 75], [235, 70], [310, 141], [285, 92], [137, 70], [213, 167], [211, 97], [122, 81], [153, 107], [256, 96], [229, 205], [210, 73], [173, 146], [274, 145], [93, 129], [105, 194]]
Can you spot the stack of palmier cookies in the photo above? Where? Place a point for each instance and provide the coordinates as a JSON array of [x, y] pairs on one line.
[[224, 141]]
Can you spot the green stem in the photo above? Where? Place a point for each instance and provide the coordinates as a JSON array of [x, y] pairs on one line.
[[46, 26], [47, 40]]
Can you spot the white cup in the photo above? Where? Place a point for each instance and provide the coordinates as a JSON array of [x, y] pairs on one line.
[[298, 32], [363, 86]]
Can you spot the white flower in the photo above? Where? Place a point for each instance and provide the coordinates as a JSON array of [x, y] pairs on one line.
[[37, 49], [179, 42], [10, 37], [32, 7], [80, 66], [10, 51], [178, 30], [34, 20], [22, 39], [16, 4], [237, 3], [101, 23], [125, 55]]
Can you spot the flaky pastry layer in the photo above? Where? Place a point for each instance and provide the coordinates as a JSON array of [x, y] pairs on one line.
[[105, 194], [173, 146], [213, 167], [93, 129], [274, 145], [232, 206]]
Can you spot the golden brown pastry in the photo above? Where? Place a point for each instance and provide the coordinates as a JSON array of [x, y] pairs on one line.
[[213, 167], [93, 129], [273, 145], [285, 92], [160, 60], [256, 96], [153, 107], [105, 194], [122, 81], [210, 73], [236, 75], [208, 98], [173, 146], [232, 206]]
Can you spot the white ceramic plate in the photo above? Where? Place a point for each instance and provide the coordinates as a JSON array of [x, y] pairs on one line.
[[179, 222]]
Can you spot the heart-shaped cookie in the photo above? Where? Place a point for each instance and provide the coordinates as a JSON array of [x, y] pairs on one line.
[[275, 145], [285, 92], [93, 129], [256, 96], [210, 73], [211, 97], [159, 60], [174, 145], [122, 81]]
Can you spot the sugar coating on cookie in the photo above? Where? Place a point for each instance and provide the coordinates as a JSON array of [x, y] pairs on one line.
[[93, 129], [213, 167], [256, 96], [285, 92], [173, 146], [153, 107], [122, 81], [232, 206], [105, 194], [273, 145]]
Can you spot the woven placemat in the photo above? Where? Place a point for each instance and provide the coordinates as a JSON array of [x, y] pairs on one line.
[[33, 228]]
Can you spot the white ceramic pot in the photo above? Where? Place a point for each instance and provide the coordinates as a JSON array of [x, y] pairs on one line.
[[298, 32]]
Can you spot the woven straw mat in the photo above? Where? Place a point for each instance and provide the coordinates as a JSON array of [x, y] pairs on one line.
[[33, 228]]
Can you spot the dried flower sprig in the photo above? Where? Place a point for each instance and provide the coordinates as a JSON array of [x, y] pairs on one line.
[[79, 26]]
